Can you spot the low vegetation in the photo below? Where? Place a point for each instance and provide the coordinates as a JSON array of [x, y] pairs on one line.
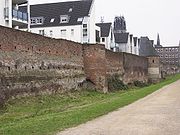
[[42, 115]]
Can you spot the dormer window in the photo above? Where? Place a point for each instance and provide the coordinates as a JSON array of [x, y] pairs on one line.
[[37, 20], [64, 19], [70, 10], [80, 19], [52, 20]]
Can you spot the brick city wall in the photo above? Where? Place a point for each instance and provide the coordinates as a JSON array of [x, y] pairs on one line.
[[101, 64], [95, 65], [30, 62], [135, 68]]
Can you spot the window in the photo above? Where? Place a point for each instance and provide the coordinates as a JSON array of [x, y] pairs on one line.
[[63, 33], [41, 32], [80, 19], [70, 10], [103, 39], [51, 33], [64, 19], [72, 32], [52, 20], [33, 21], [37, 20], [84, 32], [84, 25]]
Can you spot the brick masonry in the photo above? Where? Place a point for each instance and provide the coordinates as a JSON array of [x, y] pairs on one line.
[[31, 62]]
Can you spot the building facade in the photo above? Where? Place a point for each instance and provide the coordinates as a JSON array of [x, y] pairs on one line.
[[106, 35], [11, 16], [72, 20], [169, 55], [124, 41]]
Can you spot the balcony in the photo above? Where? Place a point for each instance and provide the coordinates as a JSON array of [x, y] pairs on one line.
[[19, 15], [18, 2]]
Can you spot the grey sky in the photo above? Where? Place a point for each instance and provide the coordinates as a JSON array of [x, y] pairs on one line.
[[143, 17]]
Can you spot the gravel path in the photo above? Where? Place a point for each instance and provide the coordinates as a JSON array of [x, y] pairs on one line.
[[156, 114]]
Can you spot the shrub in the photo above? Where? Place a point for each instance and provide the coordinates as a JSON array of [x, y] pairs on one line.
[[140, 84], [114, 83]]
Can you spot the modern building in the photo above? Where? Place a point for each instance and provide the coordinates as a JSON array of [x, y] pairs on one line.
[[124, 41], [169, 55], [71, 20], [11, 16], [106, 35]]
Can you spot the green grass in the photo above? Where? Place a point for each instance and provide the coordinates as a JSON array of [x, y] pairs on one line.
[[44, 115]]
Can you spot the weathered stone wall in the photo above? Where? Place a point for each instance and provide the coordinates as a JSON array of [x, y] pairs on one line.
[[101, 64], [135, 68], [31, 63], [154, 70], [95, 65], [167, 69], [114, 63]]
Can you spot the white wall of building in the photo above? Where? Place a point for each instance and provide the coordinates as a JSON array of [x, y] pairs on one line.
[[2, 6], [73, 33], [5, 4], [92, 26]]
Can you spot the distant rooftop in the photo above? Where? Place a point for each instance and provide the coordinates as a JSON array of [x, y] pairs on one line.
[[105, 29]]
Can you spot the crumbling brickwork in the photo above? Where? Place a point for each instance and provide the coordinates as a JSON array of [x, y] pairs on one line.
[[101, 64], [32, 62], [95, 65]]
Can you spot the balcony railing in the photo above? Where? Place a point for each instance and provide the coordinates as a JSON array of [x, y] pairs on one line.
[[19, 15], [15, 14]]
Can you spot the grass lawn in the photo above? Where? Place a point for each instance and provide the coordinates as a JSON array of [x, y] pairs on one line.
[[44, 115]]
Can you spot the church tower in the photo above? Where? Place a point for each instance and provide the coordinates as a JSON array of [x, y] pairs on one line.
[[158, 40], [119, 24]]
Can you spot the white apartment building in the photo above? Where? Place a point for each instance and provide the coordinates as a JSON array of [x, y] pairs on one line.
[[106, 35], [125, 42], [71, 20], [10, 16]]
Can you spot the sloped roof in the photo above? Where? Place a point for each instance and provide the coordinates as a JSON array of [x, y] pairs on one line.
[[74, 10], [146, 47], [121, 37], [105, 28]]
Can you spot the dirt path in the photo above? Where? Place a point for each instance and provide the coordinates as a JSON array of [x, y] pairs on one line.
[[156, 114]]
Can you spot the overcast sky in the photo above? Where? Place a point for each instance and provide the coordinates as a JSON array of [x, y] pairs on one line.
[[143, 17]]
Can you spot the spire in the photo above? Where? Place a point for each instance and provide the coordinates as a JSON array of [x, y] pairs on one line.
[[158, 40]]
